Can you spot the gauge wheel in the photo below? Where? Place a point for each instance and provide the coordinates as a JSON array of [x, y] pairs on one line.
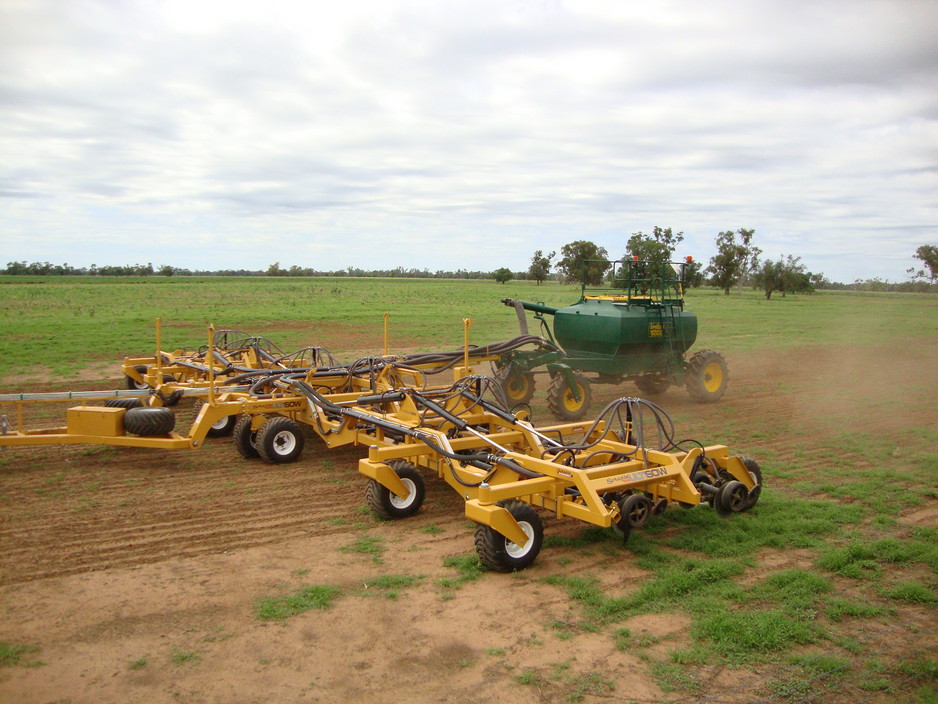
[[518, 387]]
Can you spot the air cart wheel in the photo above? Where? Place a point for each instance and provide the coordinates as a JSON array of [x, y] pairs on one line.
[[386, 503], [731, 498], [280, 440], [561, 401], [500, 554], [245, 439], [518, 387], [221, 427], [135, 385], [149, 421], [652, 384], [753, 468], [127, 403], [706, 376]]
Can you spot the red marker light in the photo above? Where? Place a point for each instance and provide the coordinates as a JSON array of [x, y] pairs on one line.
[[689, 259], [635, 259]]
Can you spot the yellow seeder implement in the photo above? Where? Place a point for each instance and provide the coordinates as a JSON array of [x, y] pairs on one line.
[[619, 470]]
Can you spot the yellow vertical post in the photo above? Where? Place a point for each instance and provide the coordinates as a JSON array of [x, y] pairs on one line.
[[386, 316], [159, 346], [211, 365], [467, 322]]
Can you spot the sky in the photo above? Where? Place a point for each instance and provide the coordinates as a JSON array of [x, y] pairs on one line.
[[448, 135]]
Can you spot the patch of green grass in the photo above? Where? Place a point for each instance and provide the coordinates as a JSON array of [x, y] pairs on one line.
[[469, 567], [672, 677], [367, 545], [431, 529], [838, 608], [777, 522], [12, 654], [798, 590], [856, 560], [741, 635], [137, 664], [314, 596], [589, 683], [623, 638], [686, 582], [183, 657], [391, 584], [912, 591], [529, 677]]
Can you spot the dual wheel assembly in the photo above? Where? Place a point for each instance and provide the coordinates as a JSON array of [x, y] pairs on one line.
[[569, 395], [496, 552]]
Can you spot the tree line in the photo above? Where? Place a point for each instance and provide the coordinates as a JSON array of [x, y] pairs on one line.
[[737, 262]]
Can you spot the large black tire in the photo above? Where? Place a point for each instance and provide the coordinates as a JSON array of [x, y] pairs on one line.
[[220, 428], [560, 399], [756, 473], [135, 385], [652, 384], [280, 440], [498, 553], [123, 402], [706, 376], [245, 439], [518, 387], [388, 505], [149, 421]]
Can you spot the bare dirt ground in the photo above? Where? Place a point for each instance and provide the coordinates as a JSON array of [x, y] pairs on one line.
[[136, 573]]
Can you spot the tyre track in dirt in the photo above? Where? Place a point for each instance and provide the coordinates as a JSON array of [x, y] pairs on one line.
[[53, 524]]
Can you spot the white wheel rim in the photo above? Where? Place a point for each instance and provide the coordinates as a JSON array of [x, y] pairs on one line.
[[141, 385], [518, 551], [398, 502], [284, 442], [220, 424]]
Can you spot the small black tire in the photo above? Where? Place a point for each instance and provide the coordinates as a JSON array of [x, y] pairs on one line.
[[135, 385], [127, 403], [388, 505], [635, 510], [498, 553], [706, 376], [220, 428], [149, 421], [756, 473], [280, 440], [731, 498], [561, 401], [245, 439]]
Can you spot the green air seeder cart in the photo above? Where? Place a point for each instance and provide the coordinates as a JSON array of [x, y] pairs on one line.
[[636, 330]]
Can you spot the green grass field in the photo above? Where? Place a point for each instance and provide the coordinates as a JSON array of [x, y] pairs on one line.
[[834, 393], [63, 324]]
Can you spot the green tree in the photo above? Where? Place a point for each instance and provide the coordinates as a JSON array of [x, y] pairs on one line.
[[655, 251], [657, 248], [928, 253], [787, 275], [584, 261], [734, 260], [503, 275], [540, 266], [693, 274]]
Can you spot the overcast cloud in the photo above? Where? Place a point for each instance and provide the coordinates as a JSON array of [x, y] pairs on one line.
[[449, 135]]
